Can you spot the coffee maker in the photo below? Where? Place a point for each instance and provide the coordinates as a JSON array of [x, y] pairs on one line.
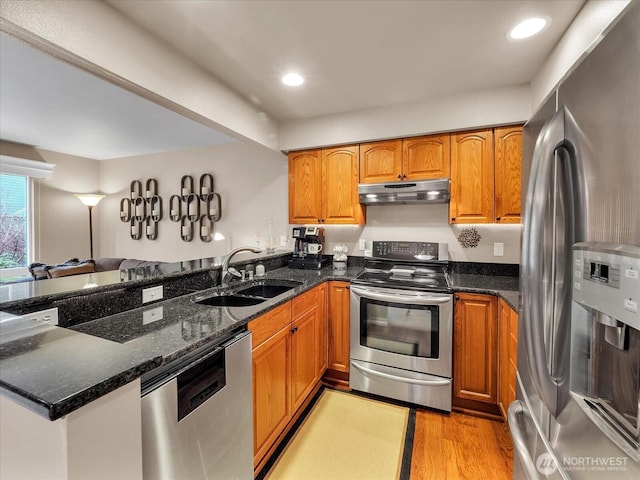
[[308, 248]]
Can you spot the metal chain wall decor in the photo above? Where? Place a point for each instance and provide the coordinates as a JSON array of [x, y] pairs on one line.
[[196, 208], [143, 210]]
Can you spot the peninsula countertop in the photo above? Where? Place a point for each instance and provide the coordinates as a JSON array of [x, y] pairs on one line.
[[54, 371]]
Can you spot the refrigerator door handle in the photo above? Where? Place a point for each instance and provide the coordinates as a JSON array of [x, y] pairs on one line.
[[558, 132], [515, 411]]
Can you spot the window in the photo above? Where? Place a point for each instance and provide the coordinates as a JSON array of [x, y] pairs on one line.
[[14, 223], [16, 213]]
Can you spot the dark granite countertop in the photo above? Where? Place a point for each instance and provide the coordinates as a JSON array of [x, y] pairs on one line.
[[53, 370], [508, 288]]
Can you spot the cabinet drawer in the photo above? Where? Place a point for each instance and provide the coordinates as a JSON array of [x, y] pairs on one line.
[[265, 326], [305, 302]]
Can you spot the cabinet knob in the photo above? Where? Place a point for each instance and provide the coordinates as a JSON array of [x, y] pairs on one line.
[[457, 297], [294, 329], [404, 176], [498, 218], [453, 219], [400, 177]]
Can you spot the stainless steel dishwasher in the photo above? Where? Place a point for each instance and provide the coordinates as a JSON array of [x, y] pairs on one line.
[[197, 418]]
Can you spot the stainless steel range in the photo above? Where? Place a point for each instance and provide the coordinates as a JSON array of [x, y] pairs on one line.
[[401, 319]]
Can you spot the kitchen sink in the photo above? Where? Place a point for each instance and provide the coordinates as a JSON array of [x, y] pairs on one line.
[[265, 290], [250, 295], [230, 301]]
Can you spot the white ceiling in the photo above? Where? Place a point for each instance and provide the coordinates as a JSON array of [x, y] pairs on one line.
[[354, 54], [47, 103]]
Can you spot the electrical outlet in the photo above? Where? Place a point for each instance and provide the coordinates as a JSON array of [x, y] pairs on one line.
[[498, 249], [363, 244], [152, 315], [49, 316], [152, 294]]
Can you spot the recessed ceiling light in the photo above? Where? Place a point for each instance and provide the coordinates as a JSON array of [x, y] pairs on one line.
[[528, 28], [293, 79]]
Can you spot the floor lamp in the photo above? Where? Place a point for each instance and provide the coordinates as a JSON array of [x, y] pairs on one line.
[[90, 200]]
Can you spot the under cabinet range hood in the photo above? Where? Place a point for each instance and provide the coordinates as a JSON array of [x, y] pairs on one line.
[[423, 191]]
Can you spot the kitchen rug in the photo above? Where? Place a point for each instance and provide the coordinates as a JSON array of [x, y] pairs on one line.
[[344, 437]]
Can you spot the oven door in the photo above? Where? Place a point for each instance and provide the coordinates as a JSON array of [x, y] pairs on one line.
[[404, 329]]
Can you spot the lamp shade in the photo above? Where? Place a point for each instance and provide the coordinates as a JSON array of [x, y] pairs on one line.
[[89, 199]]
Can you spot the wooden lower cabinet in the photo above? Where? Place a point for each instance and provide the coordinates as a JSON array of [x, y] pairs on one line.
[[338, 334], [508, 352], [485, 351], [289, 345], [475, 353], [271, 398]]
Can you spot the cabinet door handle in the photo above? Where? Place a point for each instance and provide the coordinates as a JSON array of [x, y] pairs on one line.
[[294, 329]]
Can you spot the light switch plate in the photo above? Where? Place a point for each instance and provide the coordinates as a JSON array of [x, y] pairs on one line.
[[152, 294], [498, 249], [363, 244]]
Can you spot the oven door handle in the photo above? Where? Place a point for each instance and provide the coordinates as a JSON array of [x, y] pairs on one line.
[[443, 382], [411, 298]]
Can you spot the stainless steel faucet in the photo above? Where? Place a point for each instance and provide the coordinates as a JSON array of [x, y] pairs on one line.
[[226, 271]]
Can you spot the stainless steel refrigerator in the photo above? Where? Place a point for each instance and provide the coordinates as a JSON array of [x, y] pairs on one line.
[[578, 384]]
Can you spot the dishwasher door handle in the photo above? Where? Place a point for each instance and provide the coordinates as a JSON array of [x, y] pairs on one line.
[[199, 383]]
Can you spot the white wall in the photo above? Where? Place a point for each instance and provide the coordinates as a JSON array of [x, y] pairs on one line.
[[464, 110], [251, 180], [426, 223], [100, 441], [60, 220]]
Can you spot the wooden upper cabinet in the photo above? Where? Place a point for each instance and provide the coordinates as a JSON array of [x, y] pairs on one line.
[[340, 202], [508, 161], [305, 187], [426, 157], [323, 186], [472, 177], [418, 158], [381, 161]]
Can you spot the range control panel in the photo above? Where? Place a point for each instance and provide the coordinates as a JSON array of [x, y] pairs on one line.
[[607, 278], [410, 251]]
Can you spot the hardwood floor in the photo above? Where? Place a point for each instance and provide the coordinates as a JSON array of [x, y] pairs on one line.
[[457, 446], [460, 446]]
